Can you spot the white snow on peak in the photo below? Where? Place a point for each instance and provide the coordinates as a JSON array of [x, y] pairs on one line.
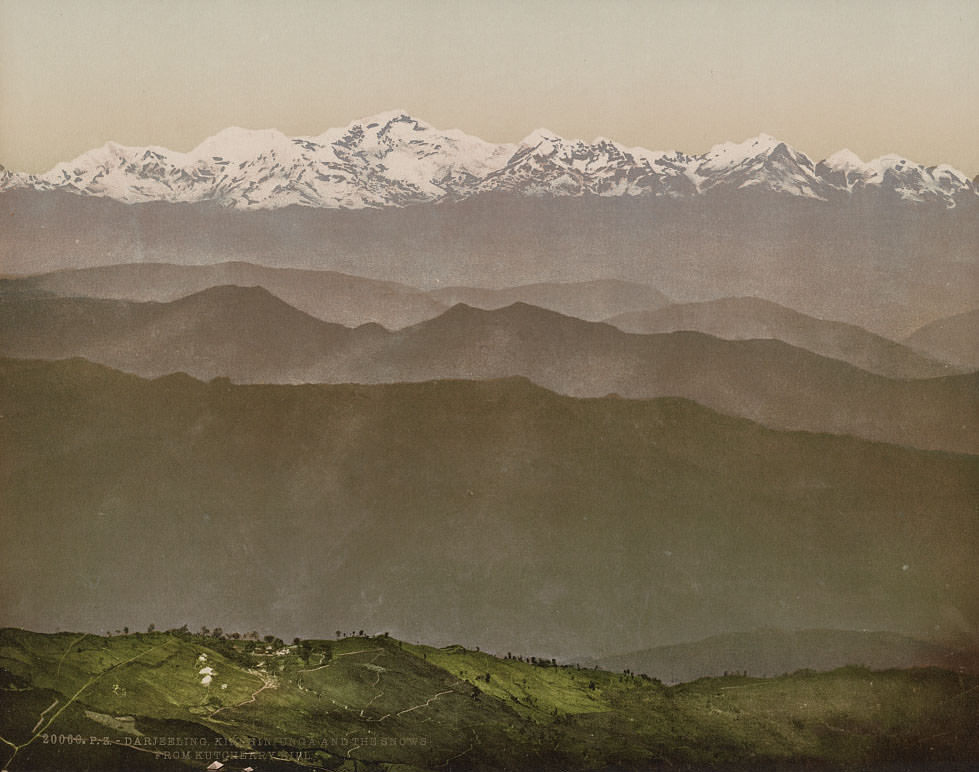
[[538, 136], [237, 144], [945, 170], [108, 153], [650, 155], [393, 159], [889, 160], [845, 160], [915, 182], [734, 153], [371, 124], [386, 117]]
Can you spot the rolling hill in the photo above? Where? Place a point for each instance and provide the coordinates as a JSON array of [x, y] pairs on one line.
[[327, 295], [747, 318], [889, 268], [774, 652], [242, 332], [954, 339], [377, 704], [250, 336], [590, 301], [331, 296]]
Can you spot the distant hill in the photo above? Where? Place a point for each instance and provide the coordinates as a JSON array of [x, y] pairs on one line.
[[954, 339], [331, 296], [592, 301], [747, 318], [773, 652], [885, 266], [243, 332], [493, 512], [327, 295], [251, 336], [178, 701]]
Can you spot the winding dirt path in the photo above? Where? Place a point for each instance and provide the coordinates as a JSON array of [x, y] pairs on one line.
[[39, 731]]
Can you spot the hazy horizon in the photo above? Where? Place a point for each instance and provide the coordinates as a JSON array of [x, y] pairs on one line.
[[873, 77]]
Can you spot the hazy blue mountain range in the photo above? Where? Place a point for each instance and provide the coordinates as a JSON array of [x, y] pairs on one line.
[[327, 295], [353, 301], [251, 336], [887, 267], [335, 297], [747, 318]]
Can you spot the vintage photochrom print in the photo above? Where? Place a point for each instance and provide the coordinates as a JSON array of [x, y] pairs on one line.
[[351, 419]]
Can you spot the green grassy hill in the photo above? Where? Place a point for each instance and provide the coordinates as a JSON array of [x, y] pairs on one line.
[[176, 701]]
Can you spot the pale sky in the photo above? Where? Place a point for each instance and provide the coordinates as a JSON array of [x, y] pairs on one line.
[[876, 76]]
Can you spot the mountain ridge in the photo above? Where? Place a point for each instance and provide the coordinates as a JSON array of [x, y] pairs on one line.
[[745, 318], [889, 267], [331, 296], [395, 159], [251, 336], [772, 652], [954, 338]]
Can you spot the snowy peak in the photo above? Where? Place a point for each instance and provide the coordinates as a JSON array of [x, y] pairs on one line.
[[733, 153], [12, 181], [237, 144], [760, 162], [845, 160], [546, 164], [539, 137], [395, 159], [896, 176]]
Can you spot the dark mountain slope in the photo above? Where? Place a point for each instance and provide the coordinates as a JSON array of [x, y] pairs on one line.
[[495, 512]]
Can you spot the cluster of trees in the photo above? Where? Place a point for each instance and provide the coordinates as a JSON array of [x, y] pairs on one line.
[[253, 636], [628, 673], [215, 633], [533, 660], [358, 634]]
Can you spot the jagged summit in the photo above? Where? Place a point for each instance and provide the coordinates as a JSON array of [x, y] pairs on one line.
[[395, 159]]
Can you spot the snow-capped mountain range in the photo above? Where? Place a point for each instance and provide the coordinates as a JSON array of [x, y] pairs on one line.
[[393, 159]]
